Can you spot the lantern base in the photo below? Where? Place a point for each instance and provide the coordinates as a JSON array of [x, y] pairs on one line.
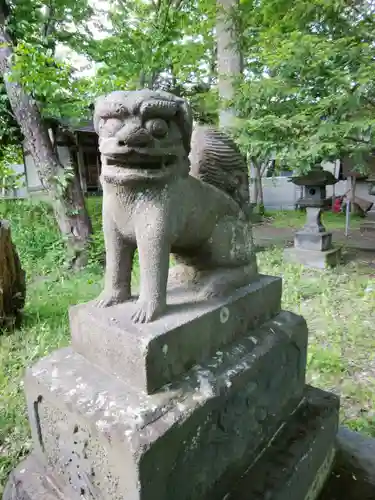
[[306, 240], [313, 258]]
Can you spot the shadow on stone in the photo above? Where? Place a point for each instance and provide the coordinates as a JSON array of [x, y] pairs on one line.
[[353, 475]]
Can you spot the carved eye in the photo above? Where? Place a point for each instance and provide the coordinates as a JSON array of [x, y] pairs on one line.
[[109, 126], [157, 127]]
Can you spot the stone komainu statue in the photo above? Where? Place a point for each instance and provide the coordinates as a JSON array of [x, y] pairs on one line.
[[169, 189]]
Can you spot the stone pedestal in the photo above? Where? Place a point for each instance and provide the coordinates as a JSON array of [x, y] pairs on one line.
[[207, 402], [313, 244]]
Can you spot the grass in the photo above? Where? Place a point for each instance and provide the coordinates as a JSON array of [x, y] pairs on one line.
[[297, 218], [338, 306]]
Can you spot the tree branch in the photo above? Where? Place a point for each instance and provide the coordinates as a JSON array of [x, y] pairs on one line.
[[47, 27], [6, 49], [4, 11], [357, 139], [265, 166]]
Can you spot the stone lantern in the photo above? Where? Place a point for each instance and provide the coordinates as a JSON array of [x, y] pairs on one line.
[[313, 243]]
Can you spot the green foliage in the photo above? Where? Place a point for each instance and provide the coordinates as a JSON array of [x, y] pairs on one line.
[[164, 44], [38, 240], [37, 28], [52, 82], [9, 130], [308, 93], [97, 250], [150, 42], [204, 102], [35, 233]]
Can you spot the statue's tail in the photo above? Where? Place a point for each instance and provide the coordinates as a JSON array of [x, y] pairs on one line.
[[216, 159]]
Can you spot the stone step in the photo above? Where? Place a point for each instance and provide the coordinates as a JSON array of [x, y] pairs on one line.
[[293, 467], [107, 438], [299, 460], [151, 355], [368, 226]]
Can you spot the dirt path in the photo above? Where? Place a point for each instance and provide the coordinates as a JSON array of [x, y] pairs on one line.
[[267, 235]]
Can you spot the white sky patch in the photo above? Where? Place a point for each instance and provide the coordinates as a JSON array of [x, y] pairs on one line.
[[98, 25]]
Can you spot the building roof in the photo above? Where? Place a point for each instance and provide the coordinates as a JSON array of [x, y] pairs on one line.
[[75, 126]]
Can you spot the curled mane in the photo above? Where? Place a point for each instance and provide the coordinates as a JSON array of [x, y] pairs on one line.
[[216, 159]]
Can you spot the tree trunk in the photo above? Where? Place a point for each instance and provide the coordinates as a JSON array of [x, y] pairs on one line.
[[259, 188], [229, 59], [62, 185], [260, 197], [259, 170], [255, 187]]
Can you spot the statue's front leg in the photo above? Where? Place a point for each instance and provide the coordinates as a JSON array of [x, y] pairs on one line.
[[153, 252], [119, 262]]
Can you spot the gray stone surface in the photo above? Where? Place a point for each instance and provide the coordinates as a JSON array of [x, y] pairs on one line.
[[297, 462], [99, 434], [293, 466], [150, 356], [353, 476], [313, 258], [368, 225], [313, 241], [313, 222], [151, 203], [30, 481]]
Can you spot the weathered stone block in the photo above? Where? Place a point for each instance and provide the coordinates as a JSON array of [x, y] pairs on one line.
[[30, 481], [104, 439], [313, 258], [353, 476], [300, 458], [152, 355], [313, 241], [294, 465]]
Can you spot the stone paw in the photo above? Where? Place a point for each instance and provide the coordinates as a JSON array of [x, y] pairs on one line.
[[107, 299], [145, 311]]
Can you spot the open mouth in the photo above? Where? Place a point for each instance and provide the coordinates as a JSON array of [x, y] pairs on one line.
[[124, 168], [150, 158], [144, 161]]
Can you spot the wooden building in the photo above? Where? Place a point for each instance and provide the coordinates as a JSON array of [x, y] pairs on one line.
[[75, 145]]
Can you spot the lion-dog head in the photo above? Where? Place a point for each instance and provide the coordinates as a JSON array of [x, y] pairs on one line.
[[143, 135]]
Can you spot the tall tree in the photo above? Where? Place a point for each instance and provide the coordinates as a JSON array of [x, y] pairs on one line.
[[28, 30], [229, 58], [308, 93]]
